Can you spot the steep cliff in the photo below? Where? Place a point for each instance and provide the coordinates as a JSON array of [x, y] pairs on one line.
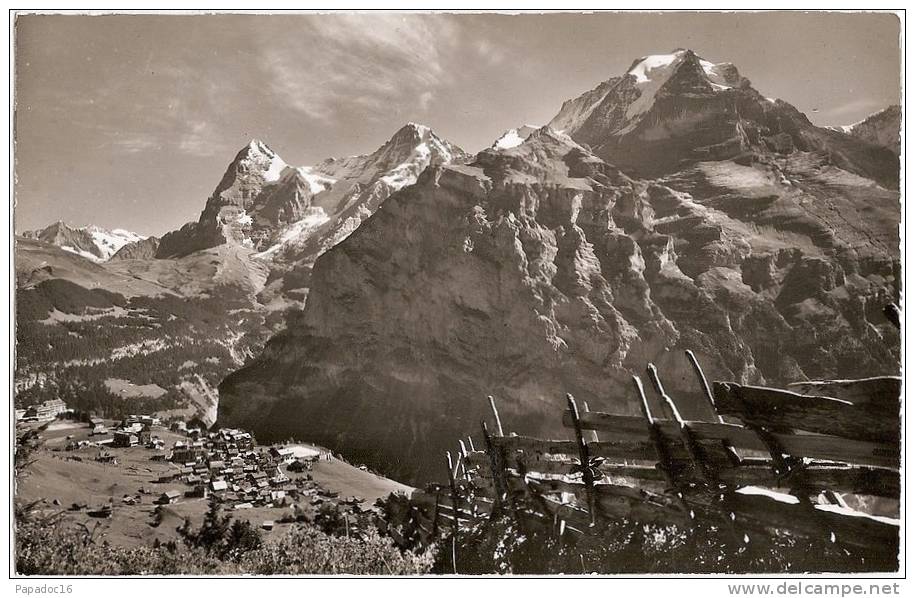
[[541, 269]]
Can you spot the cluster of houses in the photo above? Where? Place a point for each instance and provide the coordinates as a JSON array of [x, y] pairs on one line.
[[227, 463], [133, 430], [43, 412]]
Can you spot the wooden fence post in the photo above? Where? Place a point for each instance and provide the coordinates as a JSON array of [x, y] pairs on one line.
[[686, 436], [703, 381], [454, 511], [665, 463], [587, 475], [496, 464], [592, 433], [495, 414]]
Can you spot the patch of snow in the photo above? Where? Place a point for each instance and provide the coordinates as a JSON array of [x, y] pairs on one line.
[[852, 513], [110, 241], [317, 182], [642, 70], [405, 174], [266, 160], [778, 496], [714, 74], [82, 253], [313, 219], [274, 169], [651, 73], [513, 137]]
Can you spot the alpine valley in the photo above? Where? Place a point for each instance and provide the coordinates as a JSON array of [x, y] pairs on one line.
[[369, 304]]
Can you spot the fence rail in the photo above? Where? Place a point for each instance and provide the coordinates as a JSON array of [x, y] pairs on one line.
[[778, 467]]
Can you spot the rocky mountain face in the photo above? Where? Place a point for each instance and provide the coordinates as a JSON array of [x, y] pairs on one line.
[[882, 128], [731, 226], [144, 249], [92, 242]]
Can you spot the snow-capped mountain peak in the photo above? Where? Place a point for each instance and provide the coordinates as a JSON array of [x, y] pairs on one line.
[[513, 137], [620, 104], [267, 205], [92, 242], [652, 73]]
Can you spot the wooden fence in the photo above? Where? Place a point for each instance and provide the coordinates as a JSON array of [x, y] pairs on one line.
[[780, 467]]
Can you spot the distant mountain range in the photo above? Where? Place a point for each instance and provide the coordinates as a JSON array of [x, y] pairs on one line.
[[881, 128], [92, 242]]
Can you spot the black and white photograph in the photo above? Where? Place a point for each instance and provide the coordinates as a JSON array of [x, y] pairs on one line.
[[429, 293]]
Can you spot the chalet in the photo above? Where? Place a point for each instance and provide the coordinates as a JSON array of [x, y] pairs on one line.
[[184, 453], [97, 426], [134, 427], [267, 525], [198, 491], [45, 411], [144, 436], [257, 477], [244, 505], [282, 454], [217, 465], [169, 497], [299, 465], [124, 439], [219, 485]]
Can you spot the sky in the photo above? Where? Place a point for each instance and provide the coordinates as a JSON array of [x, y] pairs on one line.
[[129, 121]]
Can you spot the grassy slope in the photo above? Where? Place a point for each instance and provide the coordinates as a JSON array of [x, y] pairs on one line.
[[52, 476]]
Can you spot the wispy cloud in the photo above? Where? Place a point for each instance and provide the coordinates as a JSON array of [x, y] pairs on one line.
[[134, 144], [365, 62]]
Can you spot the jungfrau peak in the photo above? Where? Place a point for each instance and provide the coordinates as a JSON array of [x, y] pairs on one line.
[[672, 109]]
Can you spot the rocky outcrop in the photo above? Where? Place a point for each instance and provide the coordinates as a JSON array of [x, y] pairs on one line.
[[144, 249], [542, 269]]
